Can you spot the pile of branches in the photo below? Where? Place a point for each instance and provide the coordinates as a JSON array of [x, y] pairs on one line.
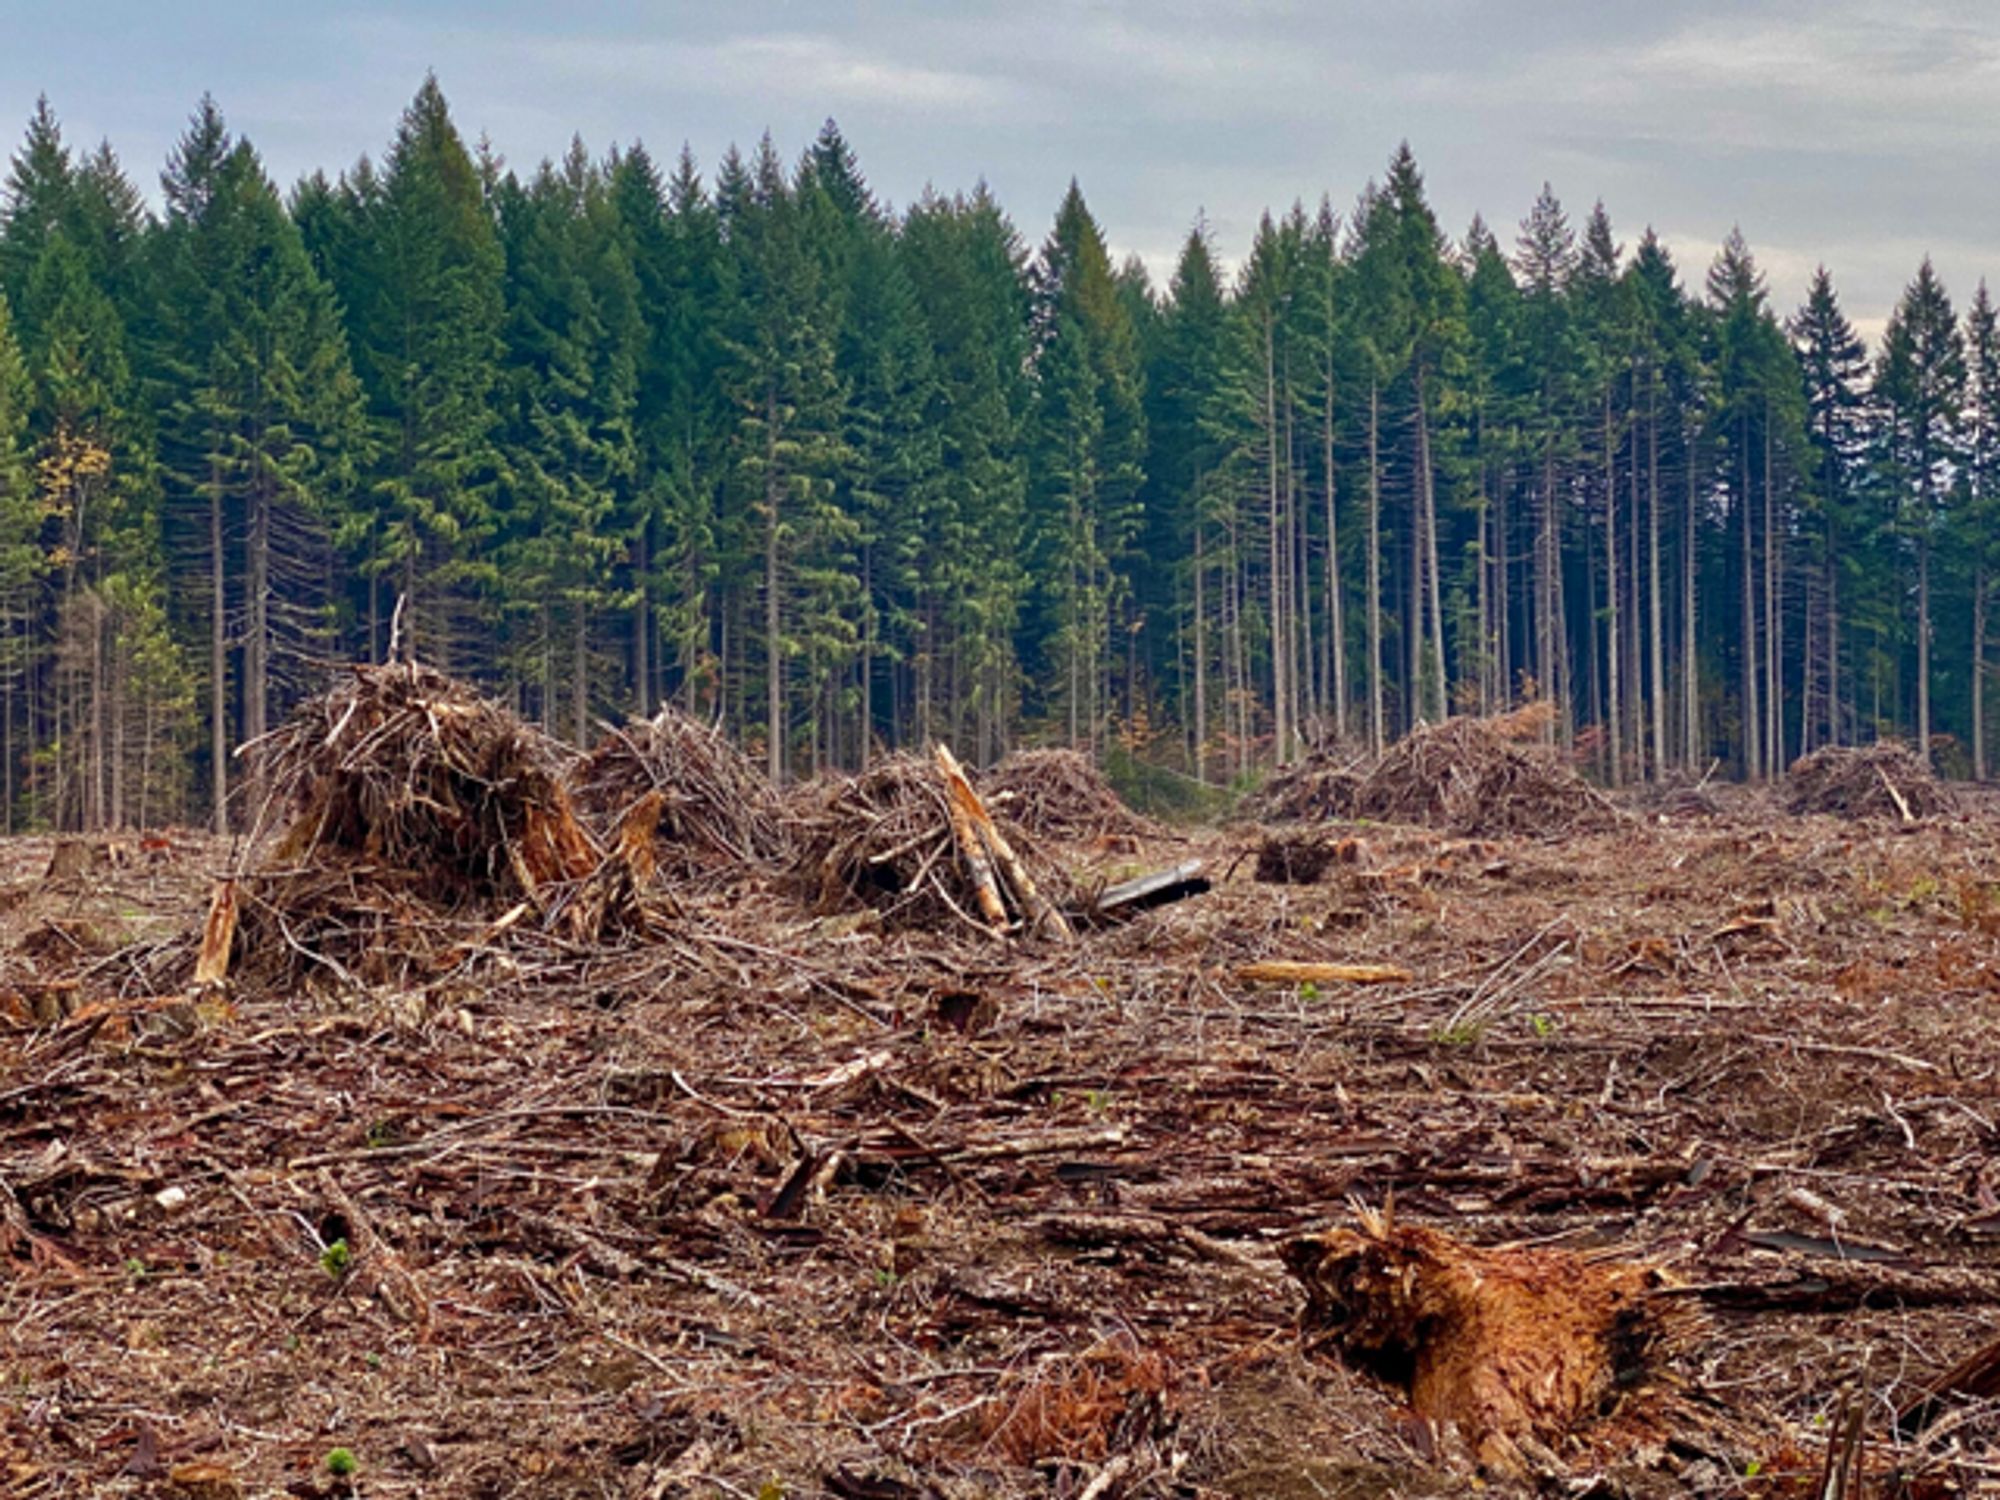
[[1325, 786], [717, 810], [892, 841], [1887, 779], [1060, 794], [418, 817], [1480, 778], [1477, 778]]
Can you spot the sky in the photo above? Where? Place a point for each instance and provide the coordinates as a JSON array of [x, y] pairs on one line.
[[1845, 132]]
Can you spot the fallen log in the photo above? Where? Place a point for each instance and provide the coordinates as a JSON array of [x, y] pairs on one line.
[[1284, 971], [1160, 888]]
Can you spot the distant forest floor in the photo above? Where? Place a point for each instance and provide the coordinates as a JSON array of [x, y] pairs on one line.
[[783, 1203]]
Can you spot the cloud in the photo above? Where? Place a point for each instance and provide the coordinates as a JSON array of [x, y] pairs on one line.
[[822, 69]]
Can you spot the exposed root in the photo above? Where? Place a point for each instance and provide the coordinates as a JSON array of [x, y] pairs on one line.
[[1513, 1347]]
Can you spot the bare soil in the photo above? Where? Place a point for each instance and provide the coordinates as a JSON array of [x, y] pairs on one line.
[[782, 1202]]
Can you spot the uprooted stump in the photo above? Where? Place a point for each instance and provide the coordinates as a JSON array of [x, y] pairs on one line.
[[1477, 778], [1060, 794], [716, 809], [1518, 1350], [1887, 779], [1302, 858], [421, 820], [897, 841]]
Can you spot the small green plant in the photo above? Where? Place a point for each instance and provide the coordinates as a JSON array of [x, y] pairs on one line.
[[884, 1278], [335, 1259], [341, 1463], [1097, 1100], [1308, 992], [135, 1268], [1545, 1026], [1464, 1034], [1752, 1469], [372, 1360]]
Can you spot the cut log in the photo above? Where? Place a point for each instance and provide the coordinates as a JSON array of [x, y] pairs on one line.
[[1278, 971], [1157, 889], [1038, 911], [971, 849]]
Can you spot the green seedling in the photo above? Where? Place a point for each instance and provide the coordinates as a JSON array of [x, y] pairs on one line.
[[341, 1463], [335, 1259]]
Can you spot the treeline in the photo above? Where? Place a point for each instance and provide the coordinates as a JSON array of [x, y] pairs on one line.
[[609, 435]]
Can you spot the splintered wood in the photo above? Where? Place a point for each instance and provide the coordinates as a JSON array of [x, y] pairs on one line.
[[1513, 1348], [986, 851]]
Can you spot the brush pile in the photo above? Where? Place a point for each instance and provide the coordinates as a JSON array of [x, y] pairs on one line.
[[1887, 779], [1060, 794], [1324, 787], [417, 816], [717, 810], [1476, 778], [910, 841]]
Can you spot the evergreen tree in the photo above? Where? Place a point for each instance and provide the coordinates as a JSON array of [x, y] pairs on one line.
[[574, 340], [1834, 362], [1087, 462], [20, 556], [1920, 386], [260, 431], [1978, 517], [432, 335]]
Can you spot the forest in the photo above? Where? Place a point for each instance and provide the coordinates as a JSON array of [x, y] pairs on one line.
[[842, 477]]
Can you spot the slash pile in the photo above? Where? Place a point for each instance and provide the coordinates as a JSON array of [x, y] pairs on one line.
[[1887, 779], [717, 810]]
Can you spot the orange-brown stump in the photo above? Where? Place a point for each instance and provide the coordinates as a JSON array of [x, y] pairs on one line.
[[1512, 1347]]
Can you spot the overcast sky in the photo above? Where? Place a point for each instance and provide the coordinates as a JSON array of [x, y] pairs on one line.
[[1845, 131]]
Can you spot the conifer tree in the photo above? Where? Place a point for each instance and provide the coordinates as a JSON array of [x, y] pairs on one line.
[[20, 556], [1087, 461], [1834, 363], [434, 318], [1920, 386], [1978, 517]]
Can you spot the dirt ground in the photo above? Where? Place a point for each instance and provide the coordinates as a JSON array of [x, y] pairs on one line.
[[784, 1205]]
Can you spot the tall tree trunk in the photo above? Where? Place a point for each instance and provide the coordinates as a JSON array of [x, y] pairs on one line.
[[774, 645], [1656, 633], [642, 624], [1615, 708], [1377, 737], [1200, 756], [1280, 694], [1690, 598], [1774, 614], [1924, 639], [1336, 632], [218, 662], [1751, 713], [1426, 481], [1979, 670], [1545, 583], [1833, 684], [257, 628]]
